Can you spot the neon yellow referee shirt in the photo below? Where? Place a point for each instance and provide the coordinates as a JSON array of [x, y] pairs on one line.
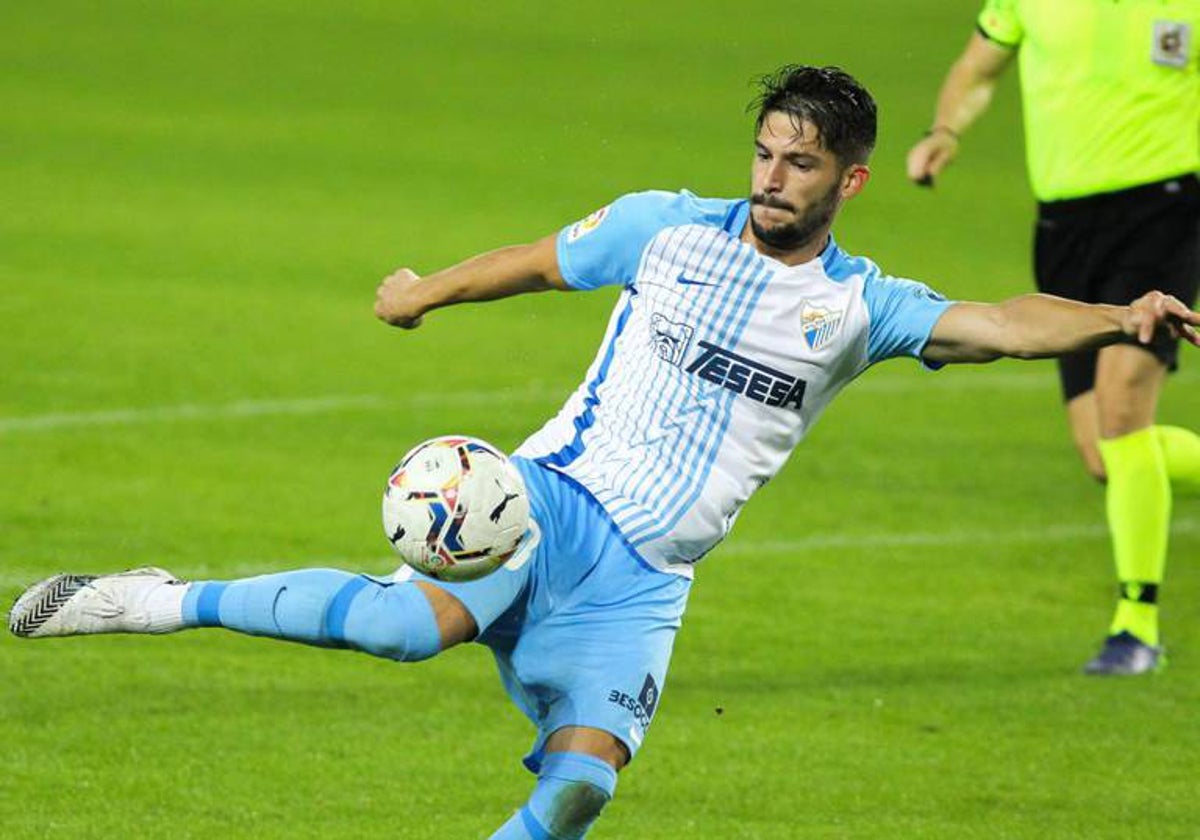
[[1110, 88]]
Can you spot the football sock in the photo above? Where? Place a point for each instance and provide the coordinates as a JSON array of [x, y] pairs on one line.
[[1138, 502], [571, 791], [1181, 452], [324, 607], [163, 605]]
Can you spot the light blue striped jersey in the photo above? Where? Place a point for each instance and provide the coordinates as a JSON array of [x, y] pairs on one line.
[[716, 361]]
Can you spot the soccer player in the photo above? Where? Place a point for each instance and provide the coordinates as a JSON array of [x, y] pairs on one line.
[[1111, 95], [738, 321]]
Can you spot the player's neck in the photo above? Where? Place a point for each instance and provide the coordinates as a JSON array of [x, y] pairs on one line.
[[789, 256]]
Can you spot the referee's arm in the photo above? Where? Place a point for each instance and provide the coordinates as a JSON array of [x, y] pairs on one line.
[[965, 94], [1039, 326]]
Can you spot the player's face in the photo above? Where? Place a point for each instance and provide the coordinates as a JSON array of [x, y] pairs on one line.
[[797, 186]]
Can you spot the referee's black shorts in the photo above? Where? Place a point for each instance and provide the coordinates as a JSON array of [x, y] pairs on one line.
[[1113, 248]]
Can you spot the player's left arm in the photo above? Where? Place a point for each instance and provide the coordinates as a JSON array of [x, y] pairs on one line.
[[403, 297], [1038, 326]]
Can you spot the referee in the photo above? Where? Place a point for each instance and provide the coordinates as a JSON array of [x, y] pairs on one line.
[[1111, 95]]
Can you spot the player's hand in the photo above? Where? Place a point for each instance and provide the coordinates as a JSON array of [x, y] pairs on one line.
[[1155, 311], [395, 301], [931, 155]]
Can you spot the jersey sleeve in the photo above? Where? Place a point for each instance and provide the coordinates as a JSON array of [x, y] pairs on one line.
[[605, 248], [1000, 22], [902, 315]]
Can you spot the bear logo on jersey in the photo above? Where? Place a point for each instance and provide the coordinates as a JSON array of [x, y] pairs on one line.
[[818, 325], [670, 339]]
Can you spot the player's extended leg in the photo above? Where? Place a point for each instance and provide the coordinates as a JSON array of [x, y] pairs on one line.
[[577, 779], [408, 621], [403, 621], [1138, 503]]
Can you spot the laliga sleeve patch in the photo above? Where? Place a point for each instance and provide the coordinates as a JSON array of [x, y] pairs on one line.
[[922, 292], [586, 226], [1172, 43]]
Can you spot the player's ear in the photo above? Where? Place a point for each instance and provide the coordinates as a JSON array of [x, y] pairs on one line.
[[854, 178]]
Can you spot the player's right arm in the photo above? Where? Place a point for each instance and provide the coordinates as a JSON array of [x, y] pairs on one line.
[[403, 297], [603, 249], [965, 95]]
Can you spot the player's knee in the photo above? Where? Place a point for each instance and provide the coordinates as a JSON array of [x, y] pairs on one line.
[[394, 621], [572, 790], [577, 806]]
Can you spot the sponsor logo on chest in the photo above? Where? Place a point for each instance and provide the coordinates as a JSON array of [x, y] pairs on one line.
[[746, 377]]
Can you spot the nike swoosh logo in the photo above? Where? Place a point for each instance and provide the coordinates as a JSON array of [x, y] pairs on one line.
[[687, 281]]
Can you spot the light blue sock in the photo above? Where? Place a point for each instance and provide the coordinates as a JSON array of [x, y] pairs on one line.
[[324, 607], [571, 791]]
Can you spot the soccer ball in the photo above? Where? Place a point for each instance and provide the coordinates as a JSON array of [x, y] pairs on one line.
[[455, 508]]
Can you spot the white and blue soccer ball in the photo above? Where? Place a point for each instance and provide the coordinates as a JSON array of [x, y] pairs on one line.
[[455, 508]]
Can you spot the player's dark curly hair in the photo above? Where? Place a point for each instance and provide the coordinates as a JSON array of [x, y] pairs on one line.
[[829, 98]]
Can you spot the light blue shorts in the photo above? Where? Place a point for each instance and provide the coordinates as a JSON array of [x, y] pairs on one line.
[[583, 630]]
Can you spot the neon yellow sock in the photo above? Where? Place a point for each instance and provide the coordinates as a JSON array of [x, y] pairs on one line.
[[1138, 500], [1181, 452]]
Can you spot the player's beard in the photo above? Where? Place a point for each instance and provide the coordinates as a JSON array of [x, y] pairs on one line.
[[797, 234]]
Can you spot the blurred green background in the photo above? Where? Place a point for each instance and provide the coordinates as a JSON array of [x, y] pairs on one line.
[[196, 202]]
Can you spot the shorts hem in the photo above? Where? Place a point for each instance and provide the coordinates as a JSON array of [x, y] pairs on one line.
[[534, 760]]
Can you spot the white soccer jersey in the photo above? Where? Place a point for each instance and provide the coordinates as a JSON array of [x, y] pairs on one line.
[[717, 360]]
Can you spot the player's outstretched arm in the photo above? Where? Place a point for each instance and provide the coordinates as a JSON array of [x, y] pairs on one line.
[[1040, 326], [965, 94], [403, 297]]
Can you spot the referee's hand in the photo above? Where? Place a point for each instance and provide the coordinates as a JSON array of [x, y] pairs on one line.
[[1155, 311], [930, 156]]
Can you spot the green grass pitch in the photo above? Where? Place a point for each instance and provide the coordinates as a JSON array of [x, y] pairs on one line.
[[196, 201]]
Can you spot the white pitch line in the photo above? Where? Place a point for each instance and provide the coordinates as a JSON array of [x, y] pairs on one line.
[[160, 414], [384, 565], [263, 408], [1053, 533], [377, 565], [373, 402], [1040, 378]]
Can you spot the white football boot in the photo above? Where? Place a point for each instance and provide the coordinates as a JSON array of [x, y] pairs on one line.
[[147, 600]]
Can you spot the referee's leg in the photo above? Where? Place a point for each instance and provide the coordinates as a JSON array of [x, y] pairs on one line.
[[1085, 430], [1129, 380]]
